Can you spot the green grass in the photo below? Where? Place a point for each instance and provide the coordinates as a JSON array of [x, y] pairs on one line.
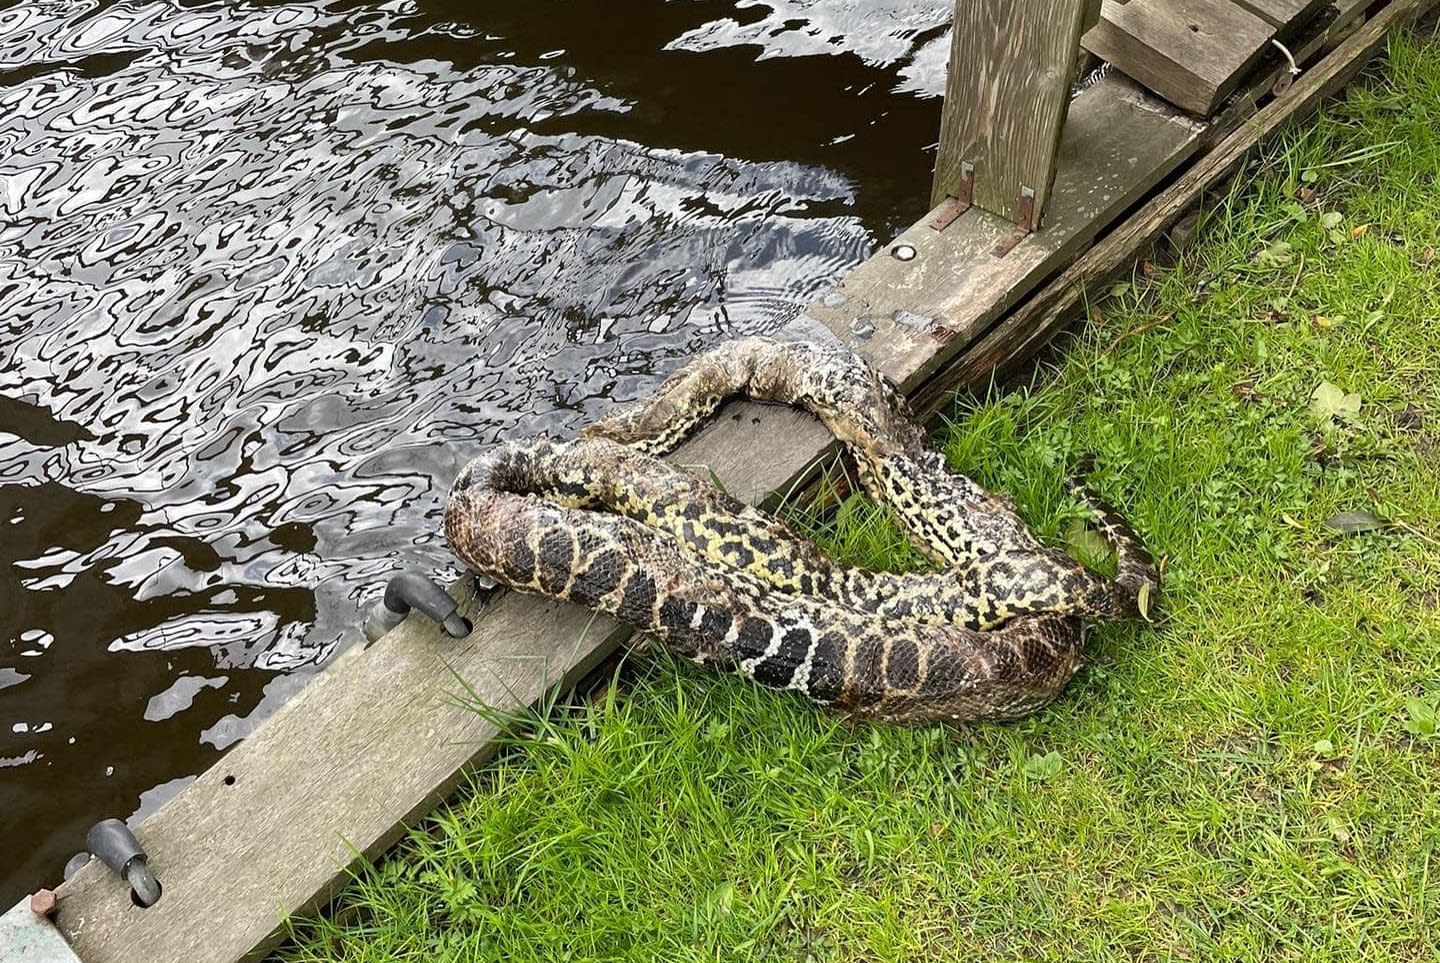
[[1251, 778]]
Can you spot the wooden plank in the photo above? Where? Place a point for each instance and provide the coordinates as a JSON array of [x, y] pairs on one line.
[[1194, 54], [1006, 93], [1024, 332], [28, 937], [1286, 16], [375, 742], [910, 316]]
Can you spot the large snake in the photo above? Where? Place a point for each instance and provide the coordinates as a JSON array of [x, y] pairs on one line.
[[996, 633]]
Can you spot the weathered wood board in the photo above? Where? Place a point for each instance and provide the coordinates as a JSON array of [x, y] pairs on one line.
[[369, 747], [911, 316], [1194, 54], [1025, 331], [1006, 92], [380, 737], [1286, 16]]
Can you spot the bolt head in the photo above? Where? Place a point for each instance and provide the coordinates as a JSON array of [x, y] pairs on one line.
[[903, 252]]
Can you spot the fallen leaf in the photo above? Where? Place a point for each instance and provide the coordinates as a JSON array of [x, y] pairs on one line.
[[1142, 601], [1323, 321], [1245, 391], [1356, 523], [1328, 402], [1359, 231]]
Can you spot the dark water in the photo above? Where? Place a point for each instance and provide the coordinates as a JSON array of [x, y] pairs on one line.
[[270, 271]]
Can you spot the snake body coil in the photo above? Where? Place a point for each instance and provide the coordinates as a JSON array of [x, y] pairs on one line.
[[603, 522]]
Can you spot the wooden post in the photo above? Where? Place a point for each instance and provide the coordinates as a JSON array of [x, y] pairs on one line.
[[1092, 14], [1011, 68]]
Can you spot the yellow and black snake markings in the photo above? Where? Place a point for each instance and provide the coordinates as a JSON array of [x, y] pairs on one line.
[[604, 523]]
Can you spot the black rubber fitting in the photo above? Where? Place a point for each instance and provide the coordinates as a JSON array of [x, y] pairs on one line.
[[411, 590], [116, 846]]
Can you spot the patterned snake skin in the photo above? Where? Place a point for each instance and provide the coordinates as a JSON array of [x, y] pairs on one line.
[[995, 634]]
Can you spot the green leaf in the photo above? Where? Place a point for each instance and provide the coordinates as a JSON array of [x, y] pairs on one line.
[[1040, 768], [1087, 544], [722, 898], [1331, 220], [1328, 402], [1356, 523], [1277, 254], [1424, 720], [1323, 748]]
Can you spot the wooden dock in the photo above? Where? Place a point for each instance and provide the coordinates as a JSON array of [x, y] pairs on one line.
[[382, 736]]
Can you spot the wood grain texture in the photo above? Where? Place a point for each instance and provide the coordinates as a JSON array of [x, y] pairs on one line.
[[1192, 53], [910, 317], [374, 743], [1006, 93], [1285, 15], [1024, 332]]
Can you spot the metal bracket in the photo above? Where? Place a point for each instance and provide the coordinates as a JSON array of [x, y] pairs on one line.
[[1024, 229], [961, 202]]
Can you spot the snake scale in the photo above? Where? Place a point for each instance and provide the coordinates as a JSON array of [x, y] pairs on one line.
[[995, 633]]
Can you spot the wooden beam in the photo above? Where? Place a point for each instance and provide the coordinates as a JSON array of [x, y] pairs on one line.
[[1027, 330], [1092, 14], [1194, 54], [369, 747], [1287, 16], [1011, 67], [911, 316]]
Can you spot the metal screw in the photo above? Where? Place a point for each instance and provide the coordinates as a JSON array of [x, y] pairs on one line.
[[903, 252]]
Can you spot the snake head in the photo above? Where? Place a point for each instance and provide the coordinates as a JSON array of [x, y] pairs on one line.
[[1141, 594]]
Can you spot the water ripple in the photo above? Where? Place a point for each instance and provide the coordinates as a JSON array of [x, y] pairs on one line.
[[270, 273]]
